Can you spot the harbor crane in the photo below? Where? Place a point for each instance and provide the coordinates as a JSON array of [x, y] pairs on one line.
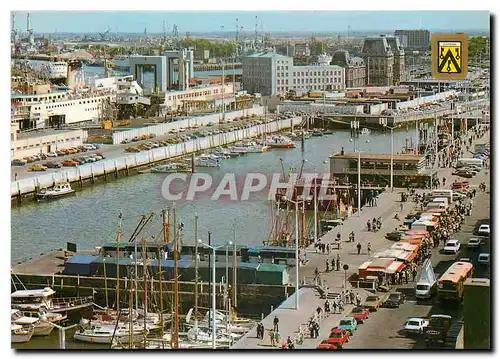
[[104, 34]]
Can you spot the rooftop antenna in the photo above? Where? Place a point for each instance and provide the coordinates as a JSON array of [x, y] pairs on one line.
[[256, 30]]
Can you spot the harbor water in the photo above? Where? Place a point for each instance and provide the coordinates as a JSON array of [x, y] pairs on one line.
[[90, 217]]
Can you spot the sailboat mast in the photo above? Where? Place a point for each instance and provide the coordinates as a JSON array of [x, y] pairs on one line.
[[145, 277], [234, 270], [175, 337], [196, 274], [160, 275], [130, 325], [118, 235]]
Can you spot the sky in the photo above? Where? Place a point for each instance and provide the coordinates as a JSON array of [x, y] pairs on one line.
[[205, 21]]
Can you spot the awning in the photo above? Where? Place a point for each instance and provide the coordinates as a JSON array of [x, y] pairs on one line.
[[408, 247], [395, 267], [417, 232]]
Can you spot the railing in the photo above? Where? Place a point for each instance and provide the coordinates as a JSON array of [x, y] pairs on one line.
[[69, 302]]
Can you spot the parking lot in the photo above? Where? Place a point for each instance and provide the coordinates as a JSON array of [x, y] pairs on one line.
[[113, 151]]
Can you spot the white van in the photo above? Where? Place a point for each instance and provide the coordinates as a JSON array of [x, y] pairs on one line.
[[426, 281], [435, 205], [442, 200], [448, 193]]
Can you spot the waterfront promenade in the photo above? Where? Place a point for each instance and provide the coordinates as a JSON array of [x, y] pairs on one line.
[[388, 204]]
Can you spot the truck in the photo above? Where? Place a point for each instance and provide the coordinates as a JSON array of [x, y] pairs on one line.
[[438, 327]]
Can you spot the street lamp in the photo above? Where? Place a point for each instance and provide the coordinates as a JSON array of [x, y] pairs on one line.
[[213, 248], [296, 247], [383, 122]]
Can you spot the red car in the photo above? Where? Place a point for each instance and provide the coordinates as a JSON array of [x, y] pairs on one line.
[[338, 336], [327, 346], [360, 314]]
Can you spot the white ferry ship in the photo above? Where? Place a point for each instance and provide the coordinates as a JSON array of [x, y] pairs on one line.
[[56, 108], [57, 70]]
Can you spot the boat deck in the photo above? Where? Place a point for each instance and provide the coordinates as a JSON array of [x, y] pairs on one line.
[[49, 263]]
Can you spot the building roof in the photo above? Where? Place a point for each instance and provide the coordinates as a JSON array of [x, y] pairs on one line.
[[377, 45], [376, 156], [269, 54], [315, 67], [395, 45]]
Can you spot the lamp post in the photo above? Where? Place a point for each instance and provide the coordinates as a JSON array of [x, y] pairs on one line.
[[383, 122], [296, 248], [213, 248]]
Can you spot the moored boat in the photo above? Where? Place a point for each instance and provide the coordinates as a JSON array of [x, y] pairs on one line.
[[20, 334], [43, 299], [105, 334], [41, 327], [280, 142], [58, 190]]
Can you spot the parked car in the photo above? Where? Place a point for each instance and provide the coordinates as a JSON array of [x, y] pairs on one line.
[[360, 314], [89, 146], [125, 141], [51, 154], [372, 303], [135, 139], [18, 162], [324, 345], [451, 246], [394, 300], [415, 325], [394, 236], [460, 185], [484, 230], [132, 149], [348, 323], [36, 167], [69, 163], [52, 164], [338, 336], [473, 243], [484, 259], [463, 173], [61, 152]]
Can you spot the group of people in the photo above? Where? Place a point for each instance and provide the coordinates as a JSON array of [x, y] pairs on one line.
[[335, 264], [374, 225]]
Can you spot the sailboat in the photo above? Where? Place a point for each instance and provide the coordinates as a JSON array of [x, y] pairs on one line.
[[104, 334]]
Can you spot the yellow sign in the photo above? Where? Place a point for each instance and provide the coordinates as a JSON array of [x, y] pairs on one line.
[[449, 56]]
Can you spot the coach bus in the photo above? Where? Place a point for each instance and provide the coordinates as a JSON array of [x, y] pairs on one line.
[[451, 283]]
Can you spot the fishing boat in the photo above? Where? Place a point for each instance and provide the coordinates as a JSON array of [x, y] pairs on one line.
[[58, 190], [365, 131], [41, 327], [43, 299], [170, 168], [104, 334], [280, 142], [20, 334]]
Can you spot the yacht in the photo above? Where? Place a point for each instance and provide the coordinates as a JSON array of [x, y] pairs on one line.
[[42, 299], [170, 168], [365, 131], [41, 327], [20, 334], [280, 142], [206, 162], [104, 334], [59, 190]]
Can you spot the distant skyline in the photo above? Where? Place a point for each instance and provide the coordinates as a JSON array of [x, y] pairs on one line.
[[269, 21]]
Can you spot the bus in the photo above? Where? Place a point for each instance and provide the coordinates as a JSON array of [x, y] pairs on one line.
[[451, 283]]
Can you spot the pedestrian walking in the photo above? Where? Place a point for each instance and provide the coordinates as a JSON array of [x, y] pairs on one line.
[[358, 246], [414, 274], [341, 306], [369, 248], [351, 237], [358, 299], [289, 343], [333, 263], [351, 296], [316, 330], [271, 336], [277, 337], [334, 305], [338, 261], [311, 330], [276, 322], [401, 206], [406, 276], [327, 306], [327, 266]]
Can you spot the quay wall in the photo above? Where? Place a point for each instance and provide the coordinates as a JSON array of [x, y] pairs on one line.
[[164, 128], [250, 298], [112, 167]]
